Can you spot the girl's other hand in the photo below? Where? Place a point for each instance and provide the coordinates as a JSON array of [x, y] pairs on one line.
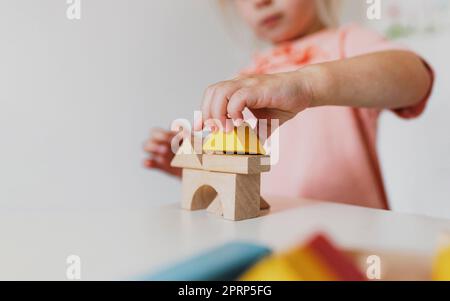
[[158, 146], [278, 96]]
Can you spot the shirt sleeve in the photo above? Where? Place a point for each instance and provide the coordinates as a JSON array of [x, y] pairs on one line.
[[356, 40]]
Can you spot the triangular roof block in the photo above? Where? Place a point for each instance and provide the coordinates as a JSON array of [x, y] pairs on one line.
[[242, 140], [187, 157]]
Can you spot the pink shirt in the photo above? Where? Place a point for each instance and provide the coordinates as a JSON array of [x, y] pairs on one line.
[[328, 153]]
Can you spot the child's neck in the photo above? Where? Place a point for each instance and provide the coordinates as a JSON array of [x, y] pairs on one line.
[[314, 28]]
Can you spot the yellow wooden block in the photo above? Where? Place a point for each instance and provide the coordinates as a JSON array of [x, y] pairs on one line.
[[273, 268], [295, 265], [310, 266], [242, 140], [441, 265]]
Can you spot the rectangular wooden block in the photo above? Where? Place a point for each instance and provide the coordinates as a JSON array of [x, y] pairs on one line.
[[239, 164], [247, 197]]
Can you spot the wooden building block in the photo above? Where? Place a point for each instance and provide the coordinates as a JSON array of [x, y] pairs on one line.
[[240, 164], [187, 156], [197, 195], [242, 140], [247, 197], [226, 185], [239, 195], [187, 161], [263, 204], [216, 207]]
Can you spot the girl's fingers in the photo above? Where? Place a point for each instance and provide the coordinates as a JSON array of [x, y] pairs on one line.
[[206, 104], [218, 103], [159, 148], [161, 160], [215, 104], [198, 124], [158, 163], [162, 135], [241, 99], [159, 142], [219, 107], [150, 163], [156, 147]]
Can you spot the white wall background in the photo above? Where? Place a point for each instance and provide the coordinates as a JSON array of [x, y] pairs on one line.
[[77, 100], [415, 154]]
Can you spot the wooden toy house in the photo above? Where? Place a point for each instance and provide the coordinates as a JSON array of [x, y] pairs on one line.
[[225, 176]]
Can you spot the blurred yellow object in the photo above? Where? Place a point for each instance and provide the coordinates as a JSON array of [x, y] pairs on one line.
[[272, 268], [441, 265], [242, 140], [296, 265], [317, 260]]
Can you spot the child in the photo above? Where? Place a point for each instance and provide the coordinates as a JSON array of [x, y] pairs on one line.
[[327, 86]]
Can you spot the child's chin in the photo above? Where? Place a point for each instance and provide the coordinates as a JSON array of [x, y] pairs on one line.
[[279, 35]]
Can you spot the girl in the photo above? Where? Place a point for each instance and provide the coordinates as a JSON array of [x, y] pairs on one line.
[[327, 86]]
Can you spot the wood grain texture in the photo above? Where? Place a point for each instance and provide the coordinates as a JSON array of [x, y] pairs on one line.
[[263, 204], [196, 195], [216, 207], [187, 157], [240, 164], [225, 185], [237, 196]]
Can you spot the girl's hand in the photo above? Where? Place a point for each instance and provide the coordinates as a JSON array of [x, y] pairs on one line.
[[158, 147], [279, 96]]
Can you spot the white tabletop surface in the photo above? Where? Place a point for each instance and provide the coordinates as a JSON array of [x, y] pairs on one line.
[[120, 244]]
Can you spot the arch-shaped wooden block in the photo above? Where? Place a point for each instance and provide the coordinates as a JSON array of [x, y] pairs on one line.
[[235, 196]]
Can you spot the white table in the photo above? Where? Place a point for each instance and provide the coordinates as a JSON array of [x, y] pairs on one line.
[[120, 244]]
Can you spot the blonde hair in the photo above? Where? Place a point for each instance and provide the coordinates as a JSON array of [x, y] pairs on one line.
[[328, 11]]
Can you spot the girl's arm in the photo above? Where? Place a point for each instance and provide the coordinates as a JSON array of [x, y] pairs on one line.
[[384, 80]]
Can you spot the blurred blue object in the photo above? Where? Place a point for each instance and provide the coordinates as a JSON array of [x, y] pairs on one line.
[[226, 262]]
